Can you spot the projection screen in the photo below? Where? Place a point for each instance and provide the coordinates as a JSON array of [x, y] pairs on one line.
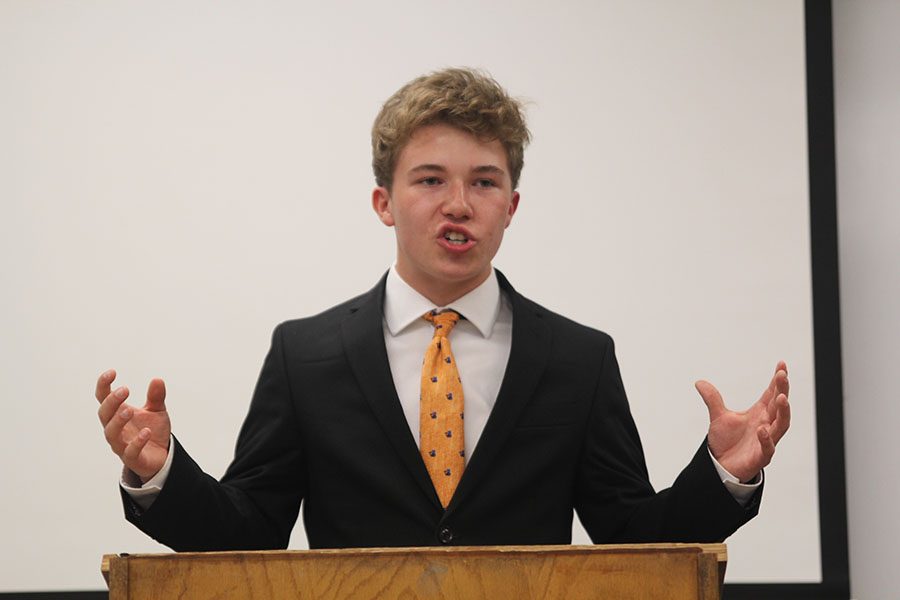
[[178, 178]]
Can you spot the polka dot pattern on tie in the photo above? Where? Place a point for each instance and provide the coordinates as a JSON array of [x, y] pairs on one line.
[[441, 433]]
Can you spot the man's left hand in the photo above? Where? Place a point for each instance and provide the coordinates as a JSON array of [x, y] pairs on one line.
[[744, 442]]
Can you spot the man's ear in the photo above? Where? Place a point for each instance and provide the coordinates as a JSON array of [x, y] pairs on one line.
[[381, 204], [513, 206]]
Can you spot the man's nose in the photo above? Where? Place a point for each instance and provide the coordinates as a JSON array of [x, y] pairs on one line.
[[457, 204]]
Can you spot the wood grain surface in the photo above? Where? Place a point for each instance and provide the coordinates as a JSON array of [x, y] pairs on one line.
[[645, 571]]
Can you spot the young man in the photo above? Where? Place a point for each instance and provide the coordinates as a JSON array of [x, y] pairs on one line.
[[517, 417]]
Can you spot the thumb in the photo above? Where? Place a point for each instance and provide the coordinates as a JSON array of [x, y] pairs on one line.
[[712, 398], [156, 396]]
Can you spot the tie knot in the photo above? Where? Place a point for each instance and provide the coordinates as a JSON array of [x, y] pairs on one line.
[[443, 321]]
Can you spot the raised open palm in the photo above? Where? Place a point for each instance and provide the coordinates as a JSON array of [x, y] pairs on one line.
[[138, 436], [744, 442]]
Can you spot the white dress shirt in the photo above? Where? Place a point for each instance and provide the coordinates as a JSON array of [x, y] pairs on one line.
[[480, 343]]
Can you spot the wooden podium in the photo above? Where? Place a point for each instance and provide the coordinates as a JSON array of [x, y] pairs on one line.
[[621, 572]]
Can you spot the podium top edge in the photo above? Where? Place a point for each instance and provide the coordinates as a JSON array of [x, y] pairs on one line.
[[720, 550]]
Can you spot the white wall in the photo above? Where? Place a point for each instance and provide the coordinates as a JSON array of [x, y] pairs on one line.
[[178, 177], [867, 107]]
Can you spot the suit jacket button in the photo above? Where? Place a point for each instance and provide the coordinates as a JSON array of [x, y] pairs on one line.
[[445, 535]]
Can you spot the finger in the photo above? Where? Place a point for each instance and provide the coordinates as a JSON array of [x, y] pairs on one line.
[[103, 382], [772, 409], [156, 395], [772, 388], [782, 420], [772, 406], [712, 398], [782, 389], [781, 366], [115, 427], [780, 378], [777, 385], [767, 445], [133, 450], [784, 384], [111, 404]]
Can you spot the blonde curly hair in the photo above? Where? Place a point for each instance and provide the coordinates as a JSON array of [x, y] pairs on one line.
[[464, 98]]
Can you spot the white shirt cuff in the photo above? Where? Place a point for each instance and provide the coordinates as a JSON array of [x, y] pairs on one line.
[[742, 492], [144, 494]]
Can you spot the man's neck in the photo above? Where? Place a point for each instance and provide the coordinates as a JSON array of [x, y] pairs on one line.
[[444, 293]]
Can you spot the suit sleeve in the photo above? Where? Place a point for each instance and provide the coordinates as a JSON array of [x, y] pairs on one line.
[[614, 498], [255, 505]]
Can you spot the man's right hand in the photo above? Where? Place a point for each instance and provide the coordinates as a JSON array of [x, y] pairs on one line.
[[138, 436]]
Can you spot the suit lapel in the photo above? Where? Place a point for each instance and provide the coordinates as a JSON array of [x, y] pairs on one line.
[[527, 360], [363, 338]]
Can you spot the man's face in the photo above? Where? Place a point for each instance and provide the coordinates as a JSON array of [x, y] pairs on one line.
[[450, 201]]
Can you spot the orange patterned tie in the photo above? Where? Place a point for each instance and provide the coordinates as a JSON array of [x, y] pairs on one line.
[[441, 439]]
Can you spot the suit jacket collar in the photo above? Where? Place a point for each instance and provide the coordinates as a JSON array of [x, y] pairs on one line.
[[363, 339], [527, 361]]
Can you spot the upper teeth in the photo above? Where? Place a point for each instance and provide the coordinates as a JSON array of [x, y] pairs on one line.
[[454, 236]]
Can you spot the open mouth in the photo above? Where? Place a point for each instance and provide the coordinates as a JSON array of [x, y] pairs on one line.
[[455, 238]]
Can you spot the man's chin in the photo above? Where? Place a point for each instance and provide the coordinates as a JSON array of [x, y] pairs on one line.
[[445, 284], [463, 281]]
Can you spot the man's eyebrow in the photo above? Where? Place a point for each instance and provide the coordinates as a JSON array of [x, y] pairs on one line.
[[488, 169], [428, 167], [491, 169]]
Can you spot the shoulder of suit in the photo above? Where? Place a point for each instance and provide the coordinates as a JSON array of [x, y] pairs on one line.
[[559, 324], [330, 319]]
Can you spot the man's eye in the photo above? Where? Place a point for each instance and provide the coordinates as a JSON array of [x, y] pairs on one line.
[[431, 180], [485, 183]]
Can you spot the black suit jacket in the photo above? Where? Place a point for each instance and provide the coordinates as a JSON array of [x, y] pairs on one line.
[[325, 426]]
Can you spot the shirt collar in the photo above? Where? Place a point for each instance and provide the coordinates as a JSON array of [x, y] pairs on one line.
[[403, 305]]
